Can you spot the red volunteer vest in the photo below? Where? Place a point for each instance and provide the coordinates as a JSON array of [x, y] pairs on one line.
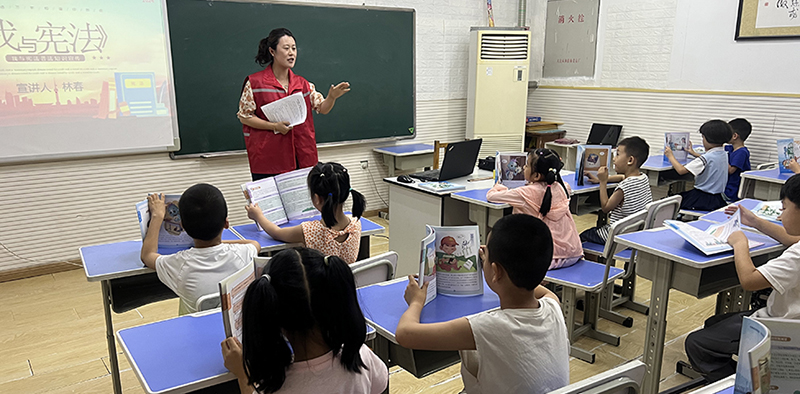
[[270, 153]]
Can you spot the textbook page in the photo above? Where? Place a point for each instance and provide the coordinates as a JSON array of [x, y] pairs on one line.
[[293, 189], [171, 233], [264, 193], [231, 295], [788, 149], [427, 264], [784, 362], [590, 159], [714, 239], [679, 143], [290, 109], [753, 369], [458, 269], [769, 210], [509, 169]]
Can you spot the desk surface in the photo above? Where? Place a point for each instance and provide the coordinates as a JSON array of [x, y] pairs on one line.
[[719, 215], [405, 150], [121, 259], [774, 175], [251, 232], [383, 304], [476, 180], [665, 243], [660, 163], [478, 197], [569, 178]]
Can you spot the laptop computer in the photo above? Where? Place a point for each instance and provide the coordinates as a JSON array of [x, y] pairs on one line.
[[604, 134], [459, 160]]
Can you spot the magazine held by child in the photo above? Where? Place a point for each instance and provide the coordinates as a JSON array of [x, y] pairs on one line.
[[788, 149], [283, 197], [449, 262], [171, 234], [591, 158], [714, 239], [679, 143], [508, 169], [231, 295]]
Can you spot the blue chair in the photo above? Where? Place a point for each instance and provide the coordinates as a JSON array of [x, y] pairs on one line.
[[375, 269]]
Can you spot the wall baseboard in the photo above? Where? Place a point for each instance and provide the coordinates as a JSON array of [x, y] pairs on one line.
[[41, 269]]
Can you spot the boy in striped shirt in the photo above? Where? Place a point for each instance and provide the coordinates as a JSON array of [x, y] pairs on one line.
[[630, 196]]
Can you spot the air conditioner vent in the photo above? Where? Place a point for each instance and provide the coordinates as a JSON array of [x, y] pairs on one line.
[[504, 47]]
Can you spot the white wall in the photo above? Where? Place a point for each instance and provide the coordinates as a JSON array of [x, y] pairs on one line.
[[48, 210]]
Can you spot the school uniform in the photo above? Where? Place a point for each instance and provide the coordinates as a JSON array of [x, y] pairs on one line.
[[739, 158], [636, 195], [710, 172]]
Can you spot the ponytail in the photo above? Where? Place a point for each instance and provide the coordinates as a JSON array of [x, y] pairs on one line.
[[359, 203], [331, 182], [547, 163], [263, 57]]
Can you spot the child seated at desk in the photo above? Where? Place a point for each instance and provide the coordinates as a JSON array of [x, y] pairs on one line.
[[303, 331], [336, 233], [541, 200], [710, 170], [710, 349], [631, 195], [738, 157], [523, 346], [196, 272]]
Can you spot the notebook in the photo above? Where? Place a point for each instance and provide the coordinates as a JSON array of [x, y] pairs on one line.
[[459, 160]]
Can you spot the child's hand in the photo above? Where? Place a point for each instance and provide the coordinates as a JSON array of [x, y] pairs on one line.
[[737, 237], [157, 205], [414, 293], [748, 217], [794, 166], [482, 254], [602, 174], [668, 152], [591, 177], [339, 90], [690, 148], [232, 353], [253, 211], [283, 127]]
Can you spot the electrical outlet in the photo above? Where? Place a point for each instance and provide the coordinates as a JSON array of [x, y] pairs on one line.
[[364, 164]]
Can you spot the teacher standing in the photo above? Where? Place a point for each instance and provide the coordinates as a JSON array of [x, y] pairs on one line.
[[275, 147]]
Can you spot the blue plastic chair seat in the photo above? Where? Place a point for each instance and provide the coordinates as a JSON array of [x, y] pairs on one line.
[[584, 275], [593, 248]]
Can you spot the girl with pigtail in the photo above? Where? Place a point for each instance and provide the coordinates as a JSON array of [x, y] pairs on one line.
[[303, 330], [335, 233], [546, 197]]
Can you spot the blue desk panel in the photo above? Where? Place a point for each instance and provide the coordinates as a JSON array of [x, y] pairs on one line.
[[774, 174], [383, 304], [405, 149], [251, 231], [660, 163], [477, 195]]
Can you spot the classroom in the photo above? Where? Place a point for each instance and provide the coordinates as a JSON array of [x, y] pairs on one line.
[[658, 66]]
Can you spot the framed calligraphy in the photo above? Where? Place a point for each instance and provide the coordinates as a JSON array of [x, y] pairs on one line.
[[768, 19]]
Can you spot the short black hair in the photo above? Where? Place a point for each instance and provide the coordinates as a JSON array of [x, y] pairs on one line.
[[742, 127], [636, 147], [523, 245], [716, 131], [791, 190], [203, 211]]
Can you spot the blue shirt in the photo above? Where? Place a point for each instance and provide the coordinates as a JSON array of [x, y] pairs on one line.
[[739, 158], [710, 171]]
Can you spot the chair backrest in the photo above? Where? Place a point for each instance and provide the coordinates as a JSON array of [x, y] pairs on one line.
[[260, 264], [208, 301], [660, 210], [437, 146], [624, 378], [767, 166], [375, 269], [625, 225]]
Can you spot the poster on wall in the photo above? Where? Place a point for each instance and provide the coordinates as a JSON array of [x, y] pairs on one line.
[[84, 76], [570, 38], [768, 19]]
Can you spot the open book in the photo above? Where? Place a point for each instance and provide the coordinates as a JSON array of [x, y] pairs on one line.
[[442, 186], [283, 197], [788, 149], [769, 210], [590, 158], [679, 143], [784, 353], [449, 261], [290, 109], [231, 295], [714, 239], [171, 234], [508, 169], [753, 369]]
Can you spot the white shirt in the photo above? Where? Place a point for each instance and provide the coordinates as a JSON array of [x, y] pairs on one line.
[[783, 274], [710, 170], [517, 351], [196, 272]]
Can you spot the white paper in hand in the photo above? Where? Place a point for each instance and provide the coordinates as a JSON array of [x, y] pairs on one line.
[[290, 109]]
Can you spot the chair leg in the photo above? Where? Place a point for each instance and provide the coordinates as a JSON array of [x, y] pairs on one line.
[[590, 317], [627, 293], [568, 307], [606, 311]]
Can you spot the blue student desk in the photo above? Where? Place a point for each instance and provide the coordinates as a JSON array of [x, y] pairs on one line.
[[406, 157], [671, 262], [383, 304], [763, 184], [656, 164], [719, 215], [484, 213], [126, 284]]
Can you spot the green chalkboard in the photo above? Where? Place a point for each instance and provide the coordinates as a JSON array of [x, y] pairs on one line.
[[213, 49]]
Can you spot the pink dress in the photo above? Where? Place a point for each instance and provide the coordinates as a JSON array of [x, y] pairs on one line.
[[567, 248], [321, 238]]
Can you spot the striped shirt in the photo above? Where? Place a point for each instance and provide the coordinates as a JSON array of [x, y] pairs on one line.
[[636, 195]]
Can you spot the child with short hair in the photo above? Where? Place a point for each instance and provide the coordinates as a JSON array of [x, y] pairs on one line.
[[196, 272], [523, 346], [631, 195], [303, 330], [336, 233], [710, 170], [738, 157], [542, 199], [710, 349]]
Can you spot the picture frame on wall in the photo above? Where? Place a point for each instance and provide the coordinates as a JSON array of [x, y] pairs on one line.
[[768, 19]]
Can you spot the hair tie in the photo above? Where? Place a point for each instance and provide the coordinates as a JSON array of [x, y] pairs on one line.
[[269, 278], [548, 185], [325, 260], [321, 175], [351, 189], [553, 170], [330, 194]]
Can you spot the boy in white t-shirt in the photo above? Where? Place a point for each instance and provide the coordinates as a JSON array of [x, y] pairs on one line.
[[710, 349], [522, 347], [196, 272]]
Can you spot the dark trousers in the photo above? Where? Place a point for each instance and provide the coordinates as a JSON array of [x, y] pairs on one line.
[[591, 235], [257, 177], [710, 349]]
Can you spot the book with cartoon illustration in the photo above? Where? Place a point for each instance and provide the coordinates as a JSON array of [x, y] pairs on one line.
[[231, 295], [714, 239], [171, 234], [283, 197], [589, 159], [679, 143], [788, 149], [753, 368], [449, 261], [769, 210], [508, 169]]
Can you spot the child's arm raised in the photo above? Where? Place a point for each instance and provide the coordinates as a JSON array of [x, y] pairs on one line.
[[690, 150], [292, 234], [232, 354], [679, 168], [452, 335], [749, 277], [773, 230], [158, 209], [608, 203], [793, 166]]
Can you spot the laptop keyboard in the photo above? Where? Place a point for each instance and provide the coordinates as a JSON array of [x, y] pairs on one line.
[[430, 175]]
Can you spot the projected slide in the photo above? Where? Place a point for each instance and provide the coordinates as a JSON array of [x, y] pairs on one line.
[[84, 76]]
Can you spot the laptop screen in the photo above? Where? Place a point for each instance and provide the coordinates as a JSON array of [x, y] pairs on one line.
[[604, 134], [459, 159]]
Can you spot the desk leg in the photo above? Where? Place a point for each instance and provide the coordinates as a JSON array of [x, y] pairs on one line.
[[112, 346], [656, 323], [652, 177], [389, 161], [480, 216]]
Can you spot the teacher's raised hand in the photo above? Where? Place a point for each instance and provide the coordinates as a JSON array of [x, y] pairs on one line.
[[339, 90]]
